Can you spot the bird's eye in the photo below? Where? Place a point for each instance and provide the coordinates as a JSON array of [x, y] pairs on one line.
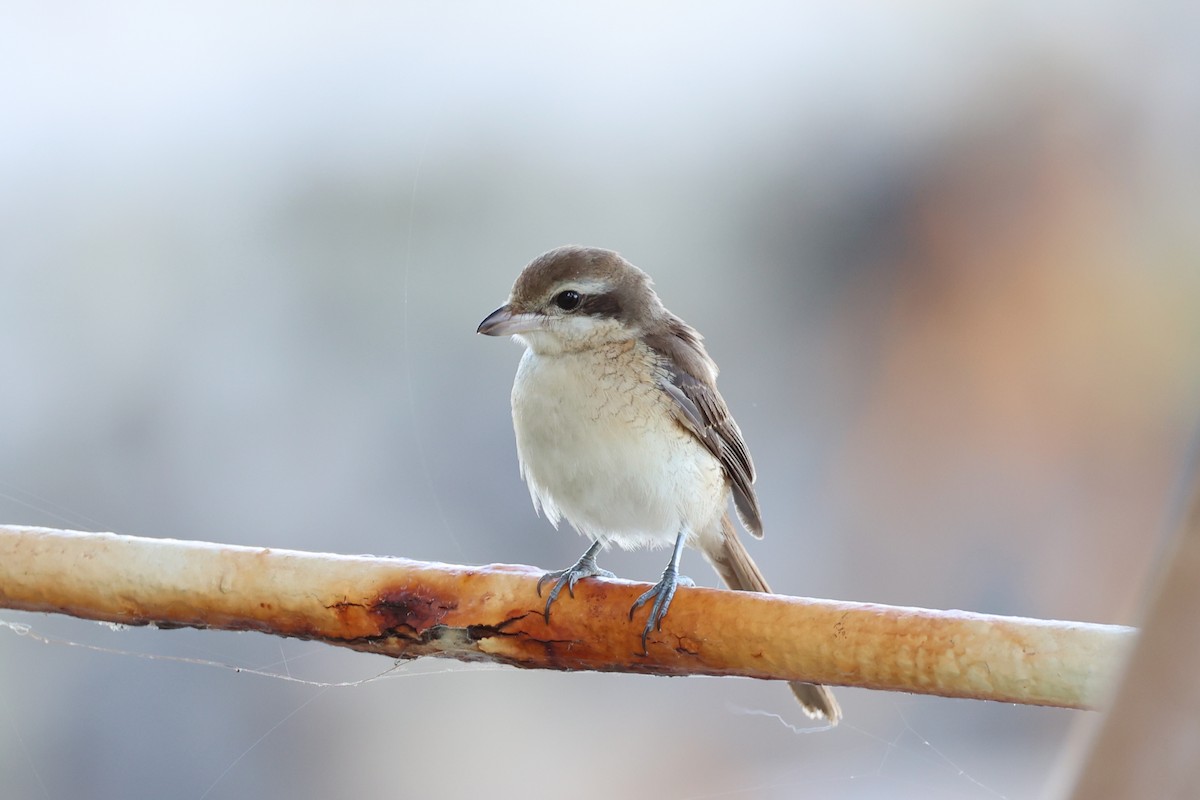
[[568, 300]]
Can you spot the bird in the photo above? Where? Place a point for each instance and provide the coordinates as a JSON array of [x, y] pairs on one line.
[[621, 431]]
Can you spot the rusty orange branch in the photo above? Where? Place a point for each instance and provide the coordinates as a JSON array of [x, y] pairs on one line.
[[408, 609]]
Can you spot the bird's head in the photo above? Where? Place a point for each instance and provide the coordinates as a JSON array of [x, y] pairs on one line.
[[574, 298]]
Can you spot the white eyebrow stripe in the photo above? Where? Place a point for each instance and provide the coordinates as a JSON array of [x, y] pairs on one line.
[[587, 286]]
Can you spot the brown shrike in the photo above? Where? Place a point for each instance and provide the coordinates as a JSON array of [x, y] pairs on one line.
[[621, 430]]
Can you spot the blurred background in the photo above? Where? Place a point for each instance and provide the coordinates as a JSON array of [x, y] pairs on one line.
[[946, 255]]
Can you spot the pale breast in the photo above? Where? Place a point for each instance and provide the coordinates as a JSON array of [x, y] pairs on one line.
[[599, 446]]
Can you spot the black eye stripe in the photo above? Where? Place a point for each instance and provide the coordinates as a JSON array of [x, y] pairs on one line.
[[602, 305], [592, 305]]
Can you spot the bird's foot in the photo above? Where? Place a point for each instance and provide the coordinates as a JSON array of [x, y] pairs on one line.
[[661, 593], [585, 567]]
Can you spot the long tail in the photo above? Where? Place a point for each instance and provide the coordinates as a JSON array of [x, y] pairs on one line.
[[740, 573]]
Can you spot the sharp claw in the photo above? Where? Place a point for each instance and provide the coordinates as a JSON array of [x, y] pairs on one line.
[[649, 628], [585, 567], [662, 593]]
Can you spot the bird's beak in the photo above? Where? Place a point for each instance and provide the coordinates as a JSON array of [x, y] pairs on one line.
[[503, 322]]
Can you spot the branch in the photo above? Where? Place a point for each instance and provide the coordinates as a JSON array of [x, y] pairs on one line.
[[407, 609]]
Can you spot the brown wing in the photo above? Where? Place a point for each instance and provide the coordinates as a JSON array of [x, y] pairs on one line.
[[690, 379]]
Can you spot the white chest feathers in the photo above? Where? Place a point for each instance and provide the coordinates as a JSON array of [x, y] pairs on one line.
[[599, 445]]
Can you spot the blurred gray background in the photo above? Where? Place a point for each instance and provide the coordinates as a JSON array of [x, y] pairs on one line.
[[946, 256]]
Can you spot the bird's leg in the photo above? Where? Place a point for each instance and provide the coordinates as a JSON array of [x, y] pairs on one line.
[[662, 592], [585, 567]]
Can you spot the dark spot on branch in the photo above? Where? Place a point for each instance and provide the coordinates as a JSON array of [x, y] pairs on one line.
[[402, 608], [477, 632]]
